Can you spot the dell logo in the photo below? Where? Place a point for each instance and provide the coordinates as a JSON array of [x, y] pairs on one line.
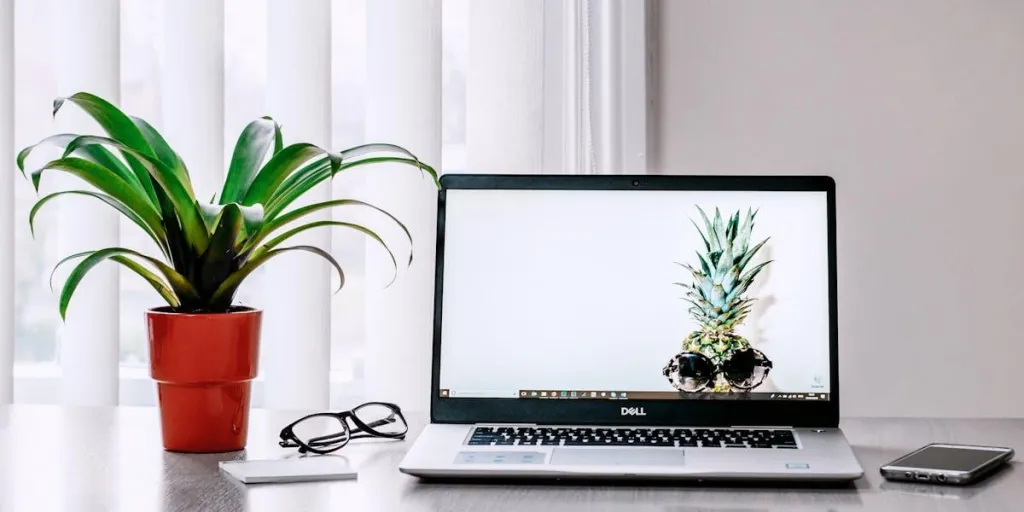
[[633, 411]]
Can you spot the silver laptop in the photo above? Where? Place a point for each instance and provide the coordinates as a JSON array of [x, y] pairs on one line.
[[648, 327]]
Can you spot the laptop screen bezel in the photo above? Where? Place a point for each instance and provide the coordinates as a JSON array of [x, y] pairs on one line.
[[655, 412]]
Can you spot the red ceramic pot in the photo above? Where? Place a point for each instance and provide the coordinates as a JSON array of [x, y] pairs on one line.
[[204, 365]]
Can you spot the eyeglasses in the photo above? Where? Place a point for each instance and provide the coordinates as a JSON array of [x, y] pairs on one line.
[[328, 432], [691, 372]]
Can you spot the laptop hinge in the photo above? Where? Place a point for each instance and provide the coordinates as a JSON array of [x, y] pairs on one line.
[[762, 427]]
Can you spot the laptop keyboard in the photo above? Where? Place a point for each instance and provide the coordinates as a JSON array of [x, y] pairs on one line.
[[606, 436]]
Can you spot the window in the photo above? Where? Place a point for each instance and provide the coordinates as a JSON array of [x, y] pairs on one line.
[[566, 75], [36, 321]]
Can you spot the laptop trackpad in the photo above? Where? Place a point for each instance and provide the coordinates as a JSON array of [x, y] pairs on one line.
[[618, 456]]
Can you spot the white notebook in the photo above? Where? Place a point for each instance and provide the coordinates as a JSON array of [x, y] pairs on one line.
[[297, 469]]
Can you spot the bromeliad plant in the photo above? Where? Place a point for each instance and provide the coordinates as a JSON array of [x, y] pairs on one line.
[[207, 249]]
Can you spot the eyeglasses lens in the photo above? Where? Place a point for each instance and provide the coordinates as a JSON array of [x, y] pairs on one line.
[[382, 419], [321, 432], [692, 372], [746, 369]]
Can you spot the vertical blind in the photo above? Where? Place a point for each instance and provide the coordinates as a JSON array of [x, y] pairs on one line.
[[521, 74]]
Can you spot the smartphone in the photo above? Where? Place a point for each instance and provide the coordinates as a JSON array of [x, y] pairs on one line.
[[952, 464]]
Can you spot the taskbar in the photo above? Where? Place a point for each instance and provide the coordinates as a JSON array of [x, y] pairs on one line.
[[548, 394]]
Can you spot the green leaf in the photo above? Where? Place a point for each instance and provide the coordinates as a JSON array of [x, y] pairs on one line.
[[730, 231], [219, 260], [298, 213], [182, 199], [114, 122], [61, 140], [151, 278], [310, 176], [750, 254], [252, 217], [707, 246], [712, 239], [749, 276], [277, 169], [717, 296], [250, 151], [63, 261], [178, 282], [724, 264], [292, 232], [91, 148], [743, 236], [278, 139], [154, 230], [719, 232], [225, 294], [106, 181], [704, 265], [164, 153]]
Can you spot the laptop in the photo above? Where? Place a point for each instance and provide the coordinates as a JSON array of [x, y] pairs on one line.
[[635, 327]]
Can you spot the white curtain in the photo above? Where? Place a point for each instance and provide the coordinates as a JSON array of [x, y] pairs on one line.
[[6, 202], [550, 87]]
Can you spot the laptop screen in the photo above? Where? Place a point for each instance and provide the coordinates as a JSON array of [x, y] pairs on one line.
[[635, 294]]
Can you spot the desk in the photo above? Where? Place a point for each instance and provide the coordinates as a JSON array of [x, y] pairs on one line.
[[86, 459]]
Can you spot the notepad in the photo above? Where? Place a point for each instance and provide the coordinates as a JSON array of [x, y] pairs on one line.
[[298, 469]]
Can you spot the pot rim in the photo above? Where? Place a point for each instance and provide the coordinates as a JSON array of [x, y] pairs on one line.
[[244, 311]]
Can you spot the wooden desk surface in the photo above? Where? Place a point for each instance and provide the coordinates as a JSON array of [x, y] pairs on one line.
[[86, 459]]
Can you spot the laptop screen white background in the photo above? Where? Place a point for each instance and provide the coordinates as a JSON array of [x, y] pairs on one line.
[[556, 289]]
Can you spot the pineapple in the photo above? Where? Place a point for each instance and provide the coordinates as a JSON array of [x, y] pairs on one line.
[[716, 293]]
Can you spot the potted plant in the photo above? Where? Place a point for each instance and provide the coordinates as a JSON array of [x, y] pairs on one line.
[[203, 348]]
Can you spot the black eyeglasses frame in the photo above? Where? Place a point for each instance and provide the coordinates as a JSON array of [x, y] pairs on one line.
[[339, 440]]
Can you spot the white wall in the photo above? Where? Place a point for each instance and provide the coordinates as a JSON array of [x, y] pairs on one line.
[[916, 107]]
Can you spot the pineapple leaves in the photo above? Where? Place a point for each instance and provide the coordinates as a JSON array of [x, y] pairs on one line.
[[715, 296], [750, 254], [707, 246], [743, 236], [208, 249], [712, 239], [719, 231], [250, 151]]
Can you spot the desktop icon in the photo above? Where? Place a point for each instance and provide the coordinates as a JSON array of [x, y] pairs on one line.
[[533, 393], [543, 393], [444, 392], [604, 394], [773, 395], [622, 394], [564, 393], [593, 393], [573, 394], [613, 394], [522, 393]]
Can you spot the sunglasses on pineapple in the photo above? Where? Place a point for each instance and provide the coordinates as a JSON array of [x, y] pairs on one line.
[[692, 372]]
